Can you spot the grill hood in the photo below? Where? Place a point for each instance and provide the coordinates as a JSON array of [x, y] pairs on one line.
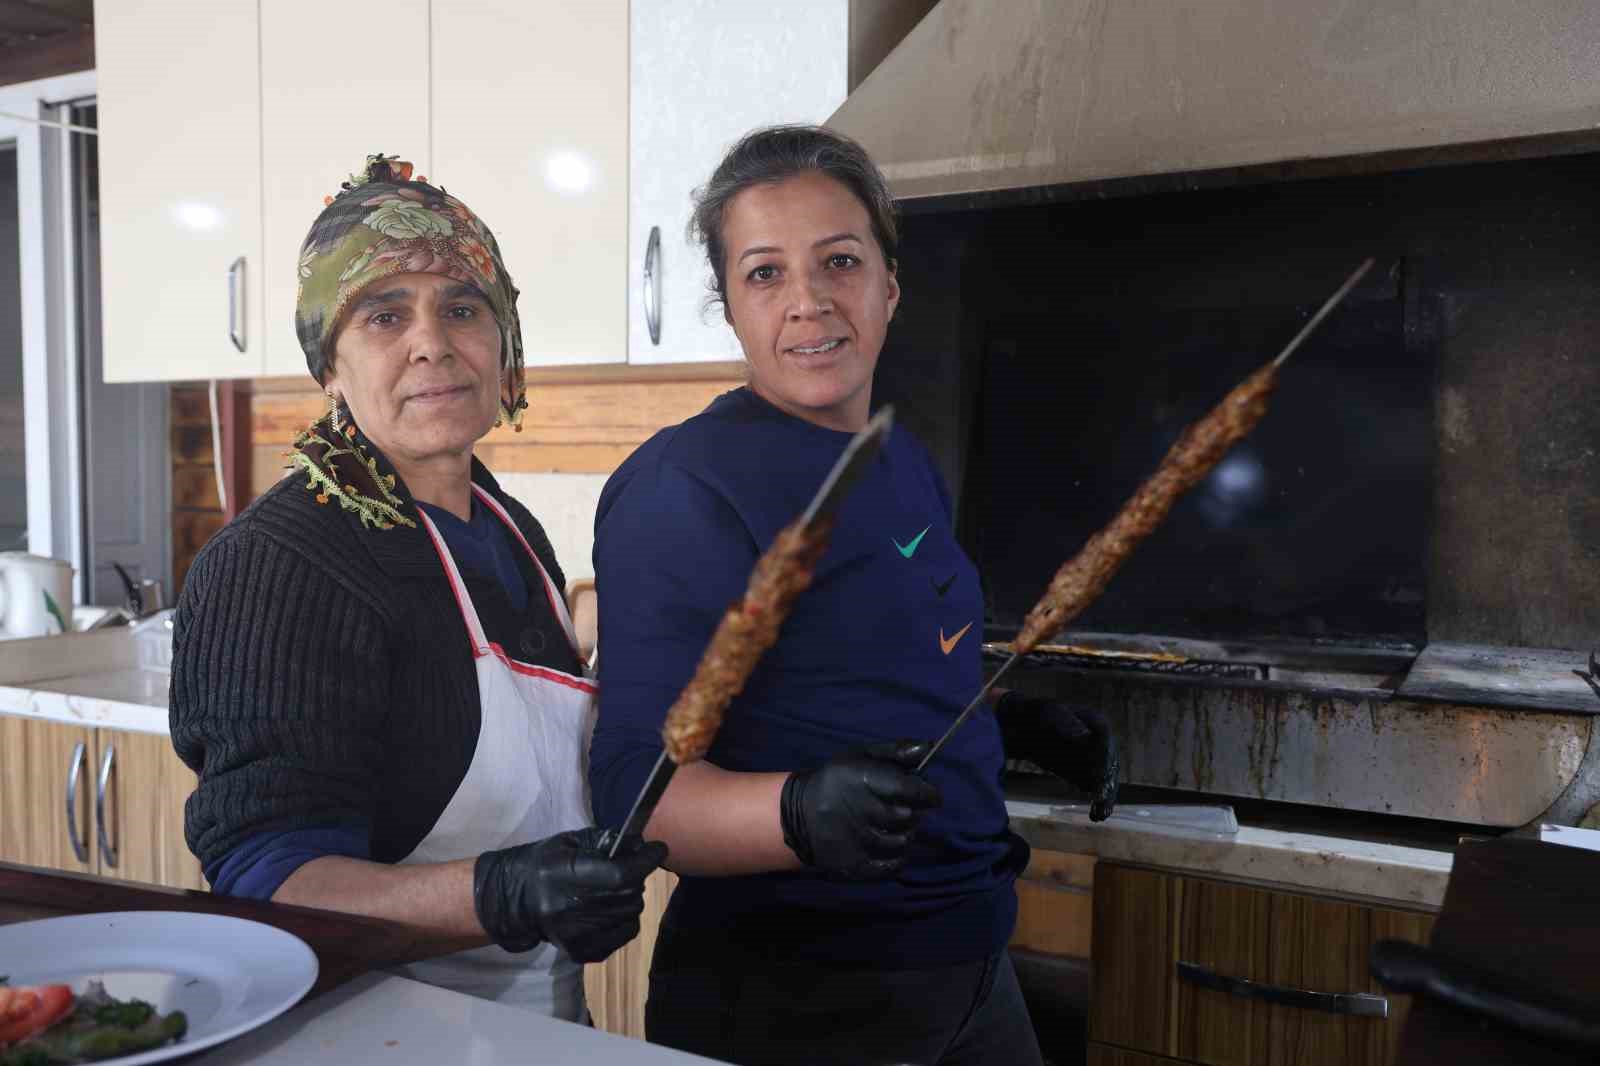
[[990, 95]]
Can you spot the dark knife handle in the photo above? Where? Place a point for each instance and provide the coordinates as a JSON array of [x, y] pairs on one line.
[[1404, 967]]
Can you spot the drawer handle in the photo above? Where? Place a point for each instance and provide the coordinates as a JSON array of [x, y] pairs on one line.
[[1361, 1004], [652, 284], [236, 308], [80, 848], [107, 852]]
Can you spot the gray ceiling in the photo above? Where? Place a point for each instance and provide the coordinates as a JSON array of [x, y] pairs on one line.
[[27, 24]]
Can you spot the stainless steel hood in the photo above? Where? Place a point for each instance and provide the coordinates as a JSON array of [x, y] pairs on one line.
[[988, 95]]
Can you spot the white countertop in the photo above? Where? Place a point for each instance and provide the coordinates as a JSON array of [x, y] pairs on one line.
[[125, 698], [394, 1021], [120, 695], [1380, 871], [92, 679]]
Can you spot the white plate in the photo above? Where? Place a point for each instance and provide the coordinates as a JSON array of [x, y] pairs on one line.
[[227, 975]]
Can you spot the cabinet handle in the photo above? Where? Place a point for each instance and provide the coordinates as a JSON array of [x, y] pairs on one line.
[[107, 852], [236, 308], [1362, 1004], [80, 848], [652, 284]]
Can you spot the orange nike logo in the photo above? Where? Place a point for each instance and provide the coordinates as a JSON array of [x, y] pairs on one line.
[[948, 646]]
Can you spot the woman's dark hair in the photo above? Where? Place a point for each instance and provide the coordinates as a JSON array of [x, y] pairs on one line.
[[772, 154]]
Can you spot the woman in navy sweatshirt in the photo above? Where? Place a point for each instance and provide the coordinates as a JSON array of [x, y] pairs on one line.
[[835, 906]]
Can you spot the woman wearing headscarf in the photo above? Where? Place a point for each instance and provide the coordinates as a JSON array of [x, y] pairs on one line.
[[374, 672], [836, 905]]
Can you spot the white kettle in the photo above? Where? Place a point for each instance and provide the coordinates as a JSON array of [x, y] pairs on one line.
[[35, 595]]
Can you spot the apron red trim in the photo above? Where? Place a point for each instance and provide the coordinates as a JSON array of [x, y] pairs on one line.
[[544, 673], [457, 589], [558, 609]]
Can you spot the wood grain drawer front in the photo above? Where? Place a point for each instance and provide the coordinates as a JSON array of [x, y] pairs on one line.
[[1282, 943], [1055, 904], [1106, 1055]]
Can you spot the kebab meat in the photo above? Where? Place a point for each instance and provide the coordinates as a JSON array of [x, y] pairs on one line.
[[1083, 577], [748, 628]]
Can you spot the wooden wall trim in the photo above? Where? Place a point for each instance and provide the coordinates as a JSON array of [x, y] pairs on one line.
[[579, 420]]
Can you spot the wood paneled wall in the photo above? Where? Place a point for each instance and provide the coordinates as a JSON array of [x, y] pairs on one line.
[[580, 420], [196, 508]]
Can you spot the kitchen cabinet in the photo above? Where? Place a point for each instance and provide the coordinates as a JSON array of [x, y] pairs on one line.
[[702, 73], [1146, 923], [575, 130], [180, 191], [323, 111], [94, 801], [530, 129], [140, 789], [47, 794], [1055, 897], [618, 987]]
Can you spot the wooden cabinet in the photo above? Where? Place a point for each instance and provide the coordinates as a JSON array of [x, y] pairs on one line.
[[94, 801], [180, 191], [140, 789], [337, 85], [1146, 923], [530, 128], [1055, 898], [702, 73], [47, 794], [618, 987]]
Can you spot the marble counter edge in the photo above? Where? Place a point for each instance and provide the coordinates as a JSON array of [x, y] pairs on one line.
[[77, 709], [1379, 872]]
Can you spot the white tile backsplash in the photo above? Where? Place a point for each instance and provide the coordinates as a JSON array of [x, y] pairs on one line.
[[564, 504]]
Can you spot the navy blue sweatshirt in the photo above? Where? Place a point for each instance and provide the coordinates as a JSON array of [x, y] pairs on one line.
[[884, 645]]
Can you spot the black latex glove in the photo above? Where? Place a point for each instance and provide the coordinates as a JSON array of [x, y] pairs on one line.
[[563, 889], [853, 816], [1074, 743]]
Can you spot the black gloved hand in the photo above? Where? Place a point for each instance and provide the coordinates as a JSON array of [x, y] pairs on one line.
[[563, 889], [853, 816], [1074, 743]]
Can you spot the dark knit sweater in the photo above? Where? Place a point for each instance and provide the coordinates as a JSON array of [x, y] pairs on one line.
[[322, 674]]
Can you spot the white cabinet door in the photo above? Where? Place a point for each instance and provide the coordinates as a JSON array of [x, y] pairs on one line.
[[336, 85], [703, 73], [180, 188], [530, 130]]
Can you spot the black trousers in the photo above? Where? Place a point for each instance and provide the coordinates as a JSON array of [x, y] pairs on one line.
[[778, 1014]]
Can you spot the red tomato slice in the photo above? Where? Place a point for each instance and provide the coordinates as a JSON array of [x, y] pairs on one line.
[[26, 1011]]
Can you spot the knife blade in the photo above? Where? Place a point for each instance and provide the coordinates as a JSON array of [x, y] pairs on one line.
[[846, 473]]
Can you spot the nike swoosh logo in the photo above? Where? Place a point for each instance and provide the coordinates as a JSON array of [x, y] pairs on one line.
[[908, 550], [942, 587], [948, 646]]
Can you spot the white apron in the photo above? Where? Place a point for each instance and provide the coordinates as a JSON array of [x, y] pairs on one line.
[[527, 781]]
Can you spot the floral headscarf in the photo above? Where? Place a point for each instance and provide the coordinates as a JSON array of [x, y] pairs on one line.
[[382, 224]]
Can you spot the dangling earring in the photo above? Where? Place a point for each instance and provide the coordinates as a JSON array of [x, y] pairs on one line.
[[333, 409]]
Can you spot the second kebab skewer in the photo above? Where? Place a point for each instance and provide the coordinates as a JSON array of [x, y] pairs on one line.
[[750, 627], [1083, 577]]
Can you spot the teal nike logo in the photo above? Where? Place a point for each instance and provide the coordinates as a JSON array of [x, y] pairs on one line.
[[908, 550]]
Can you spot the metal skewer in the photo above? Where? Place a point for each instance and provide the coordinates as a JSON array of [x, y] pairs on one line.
[[1322, 312], [964, 715], [1305, 331]]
